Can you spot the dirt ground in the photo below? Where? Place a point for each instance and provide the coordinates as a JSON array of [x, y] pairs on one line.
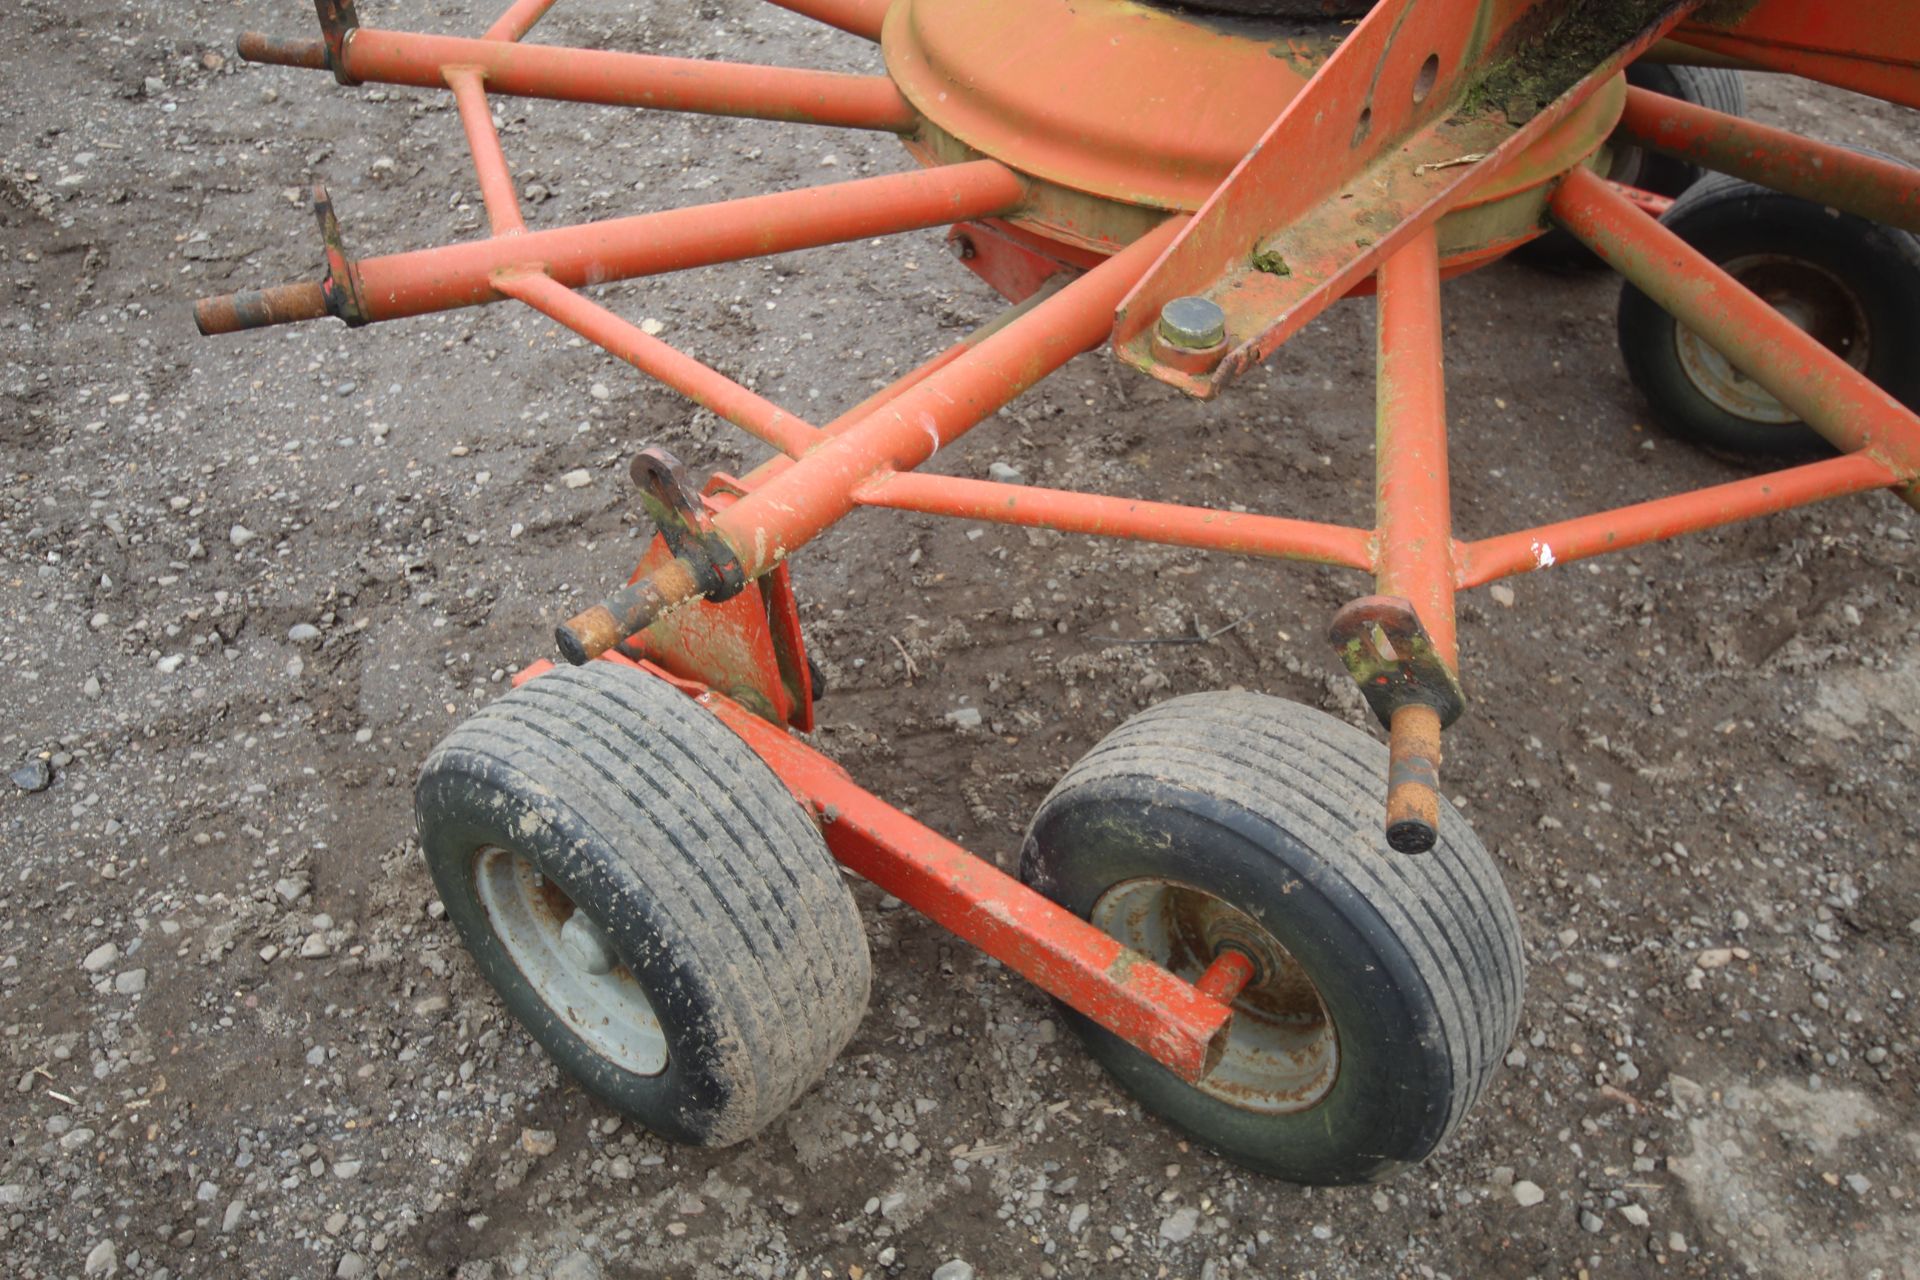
[[245, 584]]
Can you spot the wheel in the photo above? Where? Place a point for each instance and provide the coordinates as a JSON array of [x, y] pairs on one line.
[[1851, 283], [646, 898], [1714, 87], [1387, 985]]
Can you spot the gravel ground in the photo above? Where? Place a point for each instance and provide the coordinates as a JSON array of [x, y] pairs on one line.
[[246, 584]]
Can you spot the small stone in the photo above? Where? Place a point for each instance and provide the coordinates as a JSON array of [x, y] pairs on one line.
[[1634, 1214], [600, 391], [578, 478], [1179, 1226], [347, 1169], [35, 775], [1590, 1222], [1005, 474], [577, 1266], [240, 535], [954, 1269], [1714, 958], [290, 888], [892, 1204], [1676, 1243], [101, 958], [336, 1223], [1502, 594], [352, 1266], [538, 1142], [130, 982], [964, 717], [170, 664], [1527, 1194], [92, 687], [1078, 1218], [1859, 1183], [652, 328], [236, 1210], [12, 1195], [314, 947], [303, 633], [103, 1259]]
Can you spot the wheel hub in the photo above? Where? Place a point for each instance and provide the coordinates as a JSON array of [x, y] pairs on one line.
[[1815, 300], [1282, 1052]]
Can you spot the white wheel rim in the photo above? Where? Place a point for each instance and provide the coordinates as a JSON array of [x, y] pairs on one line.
[[569, 962], [1817, 301], [1282, 1051]]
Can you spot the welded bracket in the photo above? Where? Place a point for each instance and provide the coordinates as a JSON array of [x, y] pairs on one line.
[[1392, 658], [686, 524], [337, 21], [341, 288]]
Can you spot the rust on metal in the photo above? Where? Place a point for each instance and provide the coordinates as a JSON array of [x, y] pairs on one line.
[[258, 308], [338, 22], [283, 51], [1391, 657], [1413, 779], [345, 295]]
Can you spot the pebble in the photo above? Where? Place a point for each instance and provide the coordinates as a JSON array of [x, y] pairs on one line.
[[352, 1266], [1078, 1218], [1859, 1183], [1179, 1226], [101, 958], [130, 983], [170, 664], [291, 889], [240, 535], [236, 1210], [1502, 594], [954, 1269], [538, 1142], [303, 632], [1714, 958], [103, 1259], [1526, 1194], [577, 1266], [1005, 474], [1634, 1214], [346, 1169], [964, 717], [578, 478], [314, 947], [35, 775], [1590, 1222]]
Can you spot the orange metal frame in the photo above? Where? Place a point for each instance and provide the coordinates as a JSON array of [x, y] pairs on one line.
[[1386, 108]]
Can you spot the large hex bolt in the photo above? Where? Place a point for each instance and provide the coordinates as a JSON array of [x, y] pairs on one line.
[[1193, 323]]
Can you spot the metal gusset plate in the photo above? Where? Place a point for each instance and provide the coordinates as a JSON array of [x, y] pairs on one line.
[[1392, 659], [674, 502]]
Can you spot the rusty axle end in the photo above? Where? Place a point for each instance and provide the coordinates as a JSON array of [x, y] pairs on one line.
[[1413, 779], [258, 308], [625, 613], [282, 51]]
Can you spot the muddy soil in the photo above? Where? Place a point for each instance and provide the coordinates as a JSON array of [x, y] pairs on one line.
[[245, 585]]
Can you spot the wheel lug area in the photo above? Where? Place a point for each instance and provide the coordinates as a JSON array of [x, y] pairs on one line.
[[586, 945]]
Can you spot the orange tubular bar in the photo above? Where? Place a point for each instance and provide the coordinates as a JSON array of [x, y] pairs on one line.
[[855, 17], [518, 19], [1881, 190], [632, 79], [460, 275], [1493, 558], [1826, 392], [1161, 522], [1063, 955], [489, 161], [752, 413], [1412, 492]]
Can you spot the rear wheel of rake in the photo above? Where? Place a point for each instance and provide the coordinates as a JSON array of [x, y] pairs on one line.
[[1851, 283], [1386, 986], [647, 899]]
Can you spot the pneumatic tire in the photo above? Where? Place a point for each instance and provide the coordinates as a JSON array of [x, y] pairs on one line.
[[647, 898], [1387, 985]]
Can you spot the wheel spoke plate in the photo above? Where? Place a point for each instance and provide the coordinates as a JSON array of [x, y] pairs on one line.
[[569, 962], [1282, 1053]]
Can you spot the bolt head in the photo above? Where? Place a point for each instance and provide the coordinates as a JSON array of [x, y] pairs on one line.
[[1193, 323], [586, 946]]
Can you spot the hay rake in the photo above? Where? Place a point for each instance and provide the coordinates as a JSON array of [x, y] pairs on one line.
[[1211, 893]]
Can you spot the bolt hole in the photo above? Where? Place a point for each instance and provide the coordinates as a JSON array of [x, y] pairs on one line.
[[1361, 127], [1424, 81]]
